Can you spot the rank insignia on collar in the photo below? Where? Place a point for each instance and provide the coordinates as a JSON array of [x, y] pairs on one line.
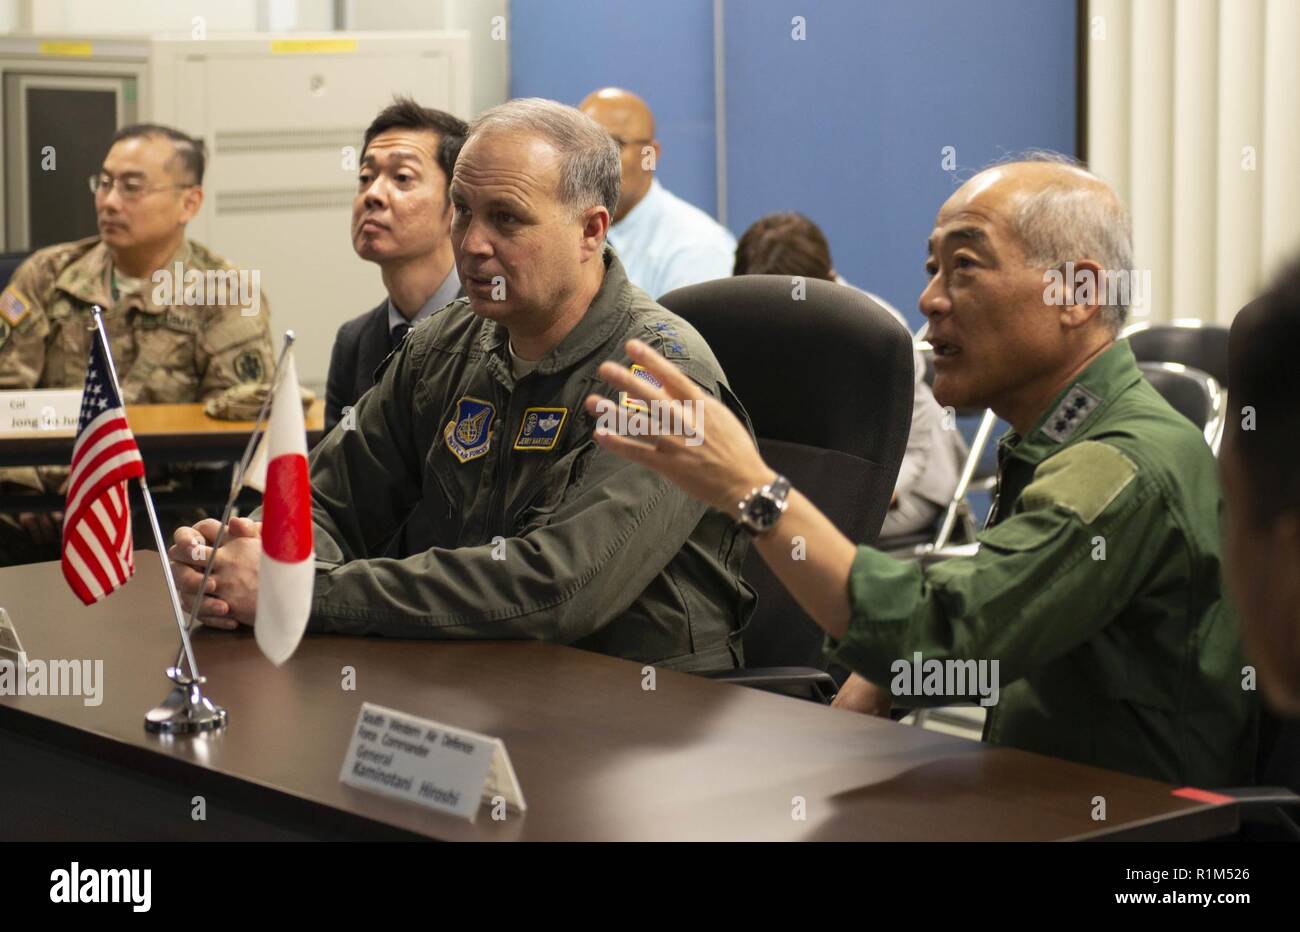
[[540, 429], [1073, 410], [674, 349], [469, 433]]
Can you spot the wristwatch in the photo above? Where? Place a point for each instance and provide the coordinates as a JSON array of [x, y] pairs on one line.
[[763, 506]]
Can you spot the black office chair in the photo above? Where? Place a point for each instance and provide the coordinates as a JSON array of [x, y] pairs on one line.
[[9, 262], [953, 534], [1188, 342], [1270, 810], [827, 383], [1194, 394]]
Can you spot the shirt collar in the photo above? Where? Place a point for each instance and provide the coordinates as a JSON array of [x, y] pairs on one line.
[[1072, 413], [643, 212], [445, 294], [89, 278], [606, 312]]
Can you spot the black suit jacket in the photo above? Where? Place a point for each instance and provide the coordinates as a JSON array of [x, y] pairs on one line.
[[361, 345]]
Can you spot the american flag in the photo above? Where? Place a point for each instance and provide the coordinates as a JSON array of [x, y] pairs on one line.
[[97, 553]]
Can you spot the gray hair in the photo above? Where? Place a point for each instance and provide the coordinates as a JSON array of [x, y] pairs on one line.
[[1063, 222], [590, 172]]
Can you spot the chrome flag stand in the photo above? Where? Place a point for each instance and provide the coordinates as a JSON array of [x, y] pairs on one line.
[[186, 710]]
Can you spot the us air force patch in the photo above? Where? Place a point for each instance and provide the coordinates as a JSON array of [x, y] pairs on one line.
[[1073, 410], [540, 429], [13, 306], [637, 404], [468, 434]]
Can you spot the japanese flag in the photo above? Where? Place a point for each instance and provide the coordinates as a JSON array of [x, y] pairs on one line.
[[287, 570]]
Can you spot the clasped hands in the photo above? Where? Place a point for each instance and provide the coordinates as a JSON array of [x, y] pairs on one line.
[[230, 597]]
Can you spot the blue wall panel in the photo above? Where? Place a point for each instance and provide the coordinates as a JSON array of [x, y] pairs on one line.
[[662, 50], [849, 124]]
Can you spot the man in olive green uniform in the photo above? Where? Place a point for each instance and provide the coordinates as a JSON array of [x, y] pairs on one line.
[[182, 324], [1095, 588], [475, 436]]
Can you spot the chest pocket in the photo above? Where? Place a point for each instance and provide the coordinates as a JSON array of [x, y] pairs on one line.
[[66, 348], [164, 368], [539, 502]]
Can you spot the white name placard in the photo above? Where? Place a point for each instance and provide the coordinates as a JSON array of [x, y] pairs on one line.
[[39, 409], [428, 763]]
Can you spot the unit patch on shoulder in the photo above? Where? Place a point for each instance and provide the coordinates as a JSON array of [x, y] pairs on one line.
[[1073, 410], [14, 307], [1085, 479], [540, 428], [469, 433], [638, 404], [248, 366]]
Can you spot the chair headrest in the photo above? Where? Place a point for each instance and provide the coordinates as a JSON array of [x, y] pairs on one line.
[[813, 362]]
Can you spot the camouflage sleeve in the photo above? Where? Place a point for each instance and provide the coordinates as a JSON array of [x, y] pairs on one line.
[[234, 348], [24, 329], [1044, 581]]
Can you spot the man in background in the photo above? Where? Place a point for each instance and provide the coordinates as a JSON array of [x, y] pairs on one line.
[[401, 221], [791, 244], [663, 242], [172, 340]]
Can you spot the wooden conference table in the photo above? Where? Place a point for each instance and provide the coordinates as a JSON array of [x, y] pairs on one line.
[[164, 433], [598, 757]]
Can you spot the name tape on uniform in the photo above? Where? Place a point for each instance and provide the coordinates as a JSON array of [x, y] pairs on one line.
[[39, 409], [428, 763]]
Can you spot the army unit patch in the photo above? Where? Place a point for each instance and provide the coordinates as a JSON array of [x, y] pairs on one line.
[[638, 404], [13, 306], [248, 366], [540, 428], [468, 434]]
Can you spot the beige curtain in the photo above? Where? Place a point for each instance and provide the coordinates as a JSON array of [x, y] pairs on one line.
[[1194, 117]]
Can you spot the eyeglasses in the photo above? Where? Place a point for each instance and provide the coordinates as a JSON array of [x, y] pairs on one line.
[[130, 188]]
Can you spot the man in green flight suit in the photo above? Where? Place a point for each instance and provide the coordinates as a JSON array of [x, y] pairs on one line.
[[1096, 585], [474, 437]]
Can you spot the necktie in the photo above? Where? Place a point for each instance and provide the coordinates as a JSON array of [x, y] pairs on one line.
[[397, 335]]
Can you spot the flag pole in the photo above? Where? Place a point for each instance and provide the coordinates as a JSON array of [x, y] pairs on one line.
[[186, 709], [236, 485]]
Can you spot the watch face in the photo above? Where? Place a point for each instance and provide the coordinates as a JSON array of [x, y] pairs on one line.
[[763, 511]]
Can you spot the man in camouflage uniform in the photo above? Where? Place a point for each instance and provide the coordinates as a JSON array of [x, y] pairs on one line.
[[1096, 588], [183, 325]]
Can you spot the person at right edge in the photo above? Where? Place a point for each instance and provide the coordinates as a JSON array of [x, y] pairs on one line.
[[1096, 586]]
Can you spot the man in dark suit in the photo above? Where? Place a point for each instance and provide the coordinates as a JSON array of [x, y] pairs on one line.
[[401, 220]]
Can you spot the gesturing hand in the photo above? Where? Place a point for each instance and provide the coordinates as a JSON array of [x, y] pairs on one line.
[[231, 596], [713, 458]]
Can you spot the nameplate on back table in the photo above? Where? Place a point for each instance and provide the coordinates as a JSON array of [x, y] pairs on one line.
[[428, 763], [39, 409]]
